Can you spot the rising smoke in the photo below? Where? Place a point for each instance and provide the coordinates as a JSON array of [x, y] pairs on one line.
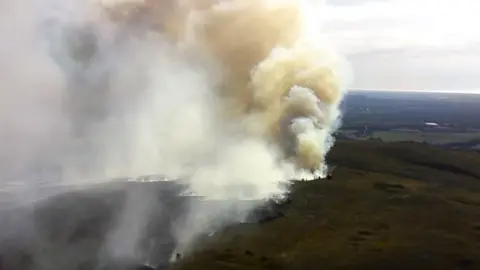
[[234, 97], [274, 67]]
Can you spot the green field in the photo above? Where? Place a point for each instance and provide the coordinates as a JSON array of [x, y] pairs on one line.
[[427, 137]]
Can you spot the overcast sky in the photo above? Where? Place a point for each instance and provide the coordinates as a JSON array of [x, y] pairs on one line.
[[409, 44]]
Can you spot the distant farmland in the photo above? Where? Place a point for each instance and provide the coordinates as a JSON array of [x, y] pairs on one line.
[[426, 137], [449, 120]]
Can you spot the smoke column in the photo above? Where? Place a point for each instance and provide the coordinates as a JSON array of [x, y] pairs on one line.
[[279, 80], [271, 91], [233, 97]]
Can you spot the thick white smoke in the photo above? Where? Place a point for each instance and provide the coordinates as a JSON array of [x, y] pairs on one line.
[[233, 97]]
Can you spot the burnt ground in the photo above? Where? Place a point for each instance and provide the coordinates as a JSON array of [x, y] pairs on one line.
[[73, 230], [114, 226]]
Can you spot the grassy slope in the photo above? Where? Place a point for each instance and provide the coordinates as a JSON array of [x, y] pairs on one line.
[[389, 206]]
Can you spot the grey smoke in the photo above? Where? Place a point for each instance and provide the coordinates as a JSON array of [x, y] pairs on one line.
[[84, 100]]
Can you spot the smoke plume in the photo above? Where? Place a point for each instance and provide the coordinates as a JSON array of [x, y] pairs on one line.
[[234, 97], [275, 71], [265, 100]]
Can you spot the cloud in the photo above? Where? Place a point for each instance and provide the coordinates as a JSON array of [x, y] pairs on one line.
[[408, 44]]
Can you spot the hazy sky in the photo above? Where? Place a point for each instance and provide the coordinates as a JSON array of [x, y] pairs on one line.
[[409, 44]]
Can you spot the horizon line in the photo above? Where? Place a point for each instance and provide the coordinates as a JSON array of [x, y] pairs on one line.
[[459, 91]]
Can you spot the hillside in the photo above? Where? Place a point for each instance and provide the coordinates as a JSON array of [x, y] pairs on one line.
[[388, 206]]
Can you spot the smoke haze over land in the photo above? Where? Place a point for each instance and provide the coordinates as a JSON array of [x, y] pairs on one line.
[[233, 97]]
